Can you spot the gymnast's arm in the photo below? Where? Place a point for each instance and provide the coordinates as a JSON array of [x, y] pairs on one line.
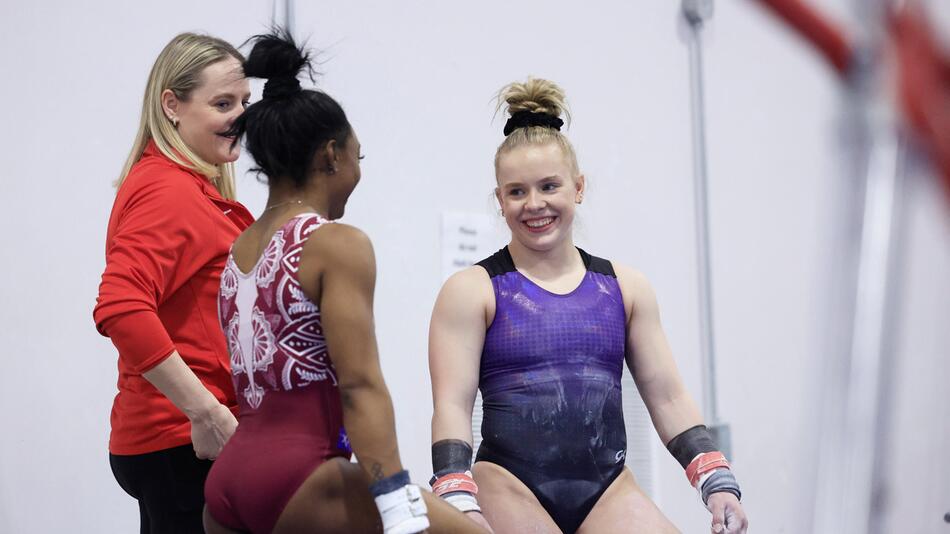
[[674, 414], [462, 313], [651, 361], [456, 335], [338, 270]]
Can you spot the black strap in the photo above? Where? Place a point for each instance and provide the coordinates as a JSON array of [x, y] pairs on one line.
[[500, 263], [690, 443], [451, 456]]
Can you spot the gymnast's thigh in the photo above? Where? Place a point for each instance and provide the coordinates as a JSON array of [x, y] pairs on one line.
[[625, 508], [334, 498], [508, 505]]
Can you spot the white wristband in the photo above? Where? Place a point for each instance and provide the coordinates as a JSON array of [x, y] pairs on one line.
[[403, 511], [463, 502]]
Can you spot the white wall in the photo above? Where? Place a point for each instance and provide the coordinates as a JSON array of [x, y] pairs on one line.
[[416, 79]]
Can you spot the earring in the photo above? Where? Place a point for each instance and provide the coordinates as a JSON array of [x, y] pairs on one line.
[[331, 170], [174, 121]]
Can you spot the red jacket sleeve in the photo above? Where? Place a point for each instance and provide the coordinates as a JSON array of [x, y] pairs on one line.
[[159, 222]]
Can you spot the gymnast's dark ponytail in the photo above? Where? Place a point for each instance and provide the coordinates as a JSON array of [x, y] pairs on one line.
[[288, 125]]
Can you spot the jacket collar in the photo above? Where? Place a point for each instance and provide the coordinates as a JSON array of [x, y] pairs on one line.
[[152, 150], [232, 209]]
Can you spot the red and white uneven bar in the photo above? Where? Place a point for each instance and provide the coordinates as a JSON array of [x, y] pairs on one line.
[[921, 67], [897, 46]]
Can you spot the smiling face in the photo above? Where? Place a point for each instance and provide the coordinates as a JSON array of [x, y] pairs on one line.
[[537, 192], [210, 110]]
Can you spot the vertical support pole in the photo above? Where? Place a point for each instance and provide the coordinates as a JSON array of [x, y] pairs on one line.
[[696, 12], [852, 462], [282, 15]]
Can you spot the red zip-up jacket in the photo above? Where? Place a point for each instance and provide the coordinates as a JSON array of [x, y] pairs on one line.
[[168, 239]]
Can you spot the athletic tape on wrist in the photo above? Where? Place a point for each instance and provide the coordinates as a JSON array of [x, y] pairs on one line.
[[454, 482], [463, 502], [389, 483], [402, 510], [691, 443], [719, 480], [704, 463], [450, 456]]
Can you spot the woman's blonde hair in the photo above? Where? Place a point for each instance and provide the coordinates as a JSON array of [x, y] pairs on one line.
[[535, 95], [179, 69]]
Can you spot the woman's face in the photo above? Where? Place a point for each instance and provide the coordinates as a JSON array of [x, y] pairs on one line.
[[210, 110], [537, 193]]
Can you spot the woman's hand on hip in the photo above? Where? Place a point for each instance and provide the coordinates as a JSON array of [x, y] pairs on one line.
[[211, 430]]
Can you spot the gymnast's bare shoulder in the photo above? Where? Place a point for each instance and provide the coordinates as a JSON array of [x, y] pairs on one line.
[[467, 294]]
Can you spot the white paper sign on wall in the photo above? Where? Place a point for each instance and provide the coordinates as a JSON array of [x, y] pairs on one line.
[[466, 239]]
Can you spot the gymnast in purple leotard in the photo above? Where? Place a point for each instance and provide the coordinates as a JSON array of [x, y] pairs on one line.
[[542, 329], [551, 367]]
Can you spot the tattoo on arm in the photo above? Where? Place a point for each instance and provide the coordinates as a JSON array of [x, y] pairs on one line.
[[377, 471]]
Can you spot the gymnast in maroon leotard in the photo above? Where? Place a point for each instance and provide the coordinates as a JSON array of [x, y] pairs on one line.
[[296, 308], [291, 420]]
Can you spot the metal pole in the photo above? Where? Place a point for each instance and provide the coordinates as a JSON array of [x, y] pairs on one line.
[[851, 478], [282, 15], [696, 12], [871, 367]]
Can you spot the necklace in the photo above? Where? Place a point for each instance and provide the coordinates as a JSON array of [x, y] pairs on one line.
[[279, 204]]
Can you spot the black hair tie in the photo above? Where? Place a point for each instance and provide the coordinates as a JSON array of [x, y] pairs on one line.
[[281, 87], [525, 119]]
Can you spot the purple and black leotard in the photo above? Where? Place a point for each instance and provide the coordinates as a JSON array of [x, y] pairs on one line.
[[550, 383]]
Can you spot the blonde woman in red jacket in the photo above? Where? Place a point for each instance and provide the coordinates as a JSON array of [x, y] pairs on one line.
[[172, 223]]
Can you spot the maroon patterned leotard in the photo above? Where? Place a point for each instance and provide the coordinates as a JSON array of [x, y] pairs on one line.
[[290, 417]]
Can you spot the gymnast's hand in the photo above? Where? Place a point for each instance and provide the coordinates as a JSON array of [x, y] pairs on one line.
[[728, 517], [479, 520], [211, 430]]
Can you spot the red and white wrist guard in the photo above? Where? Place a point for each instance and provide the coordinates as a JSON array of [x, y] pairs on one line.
[[457, 489], [706, 462]]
